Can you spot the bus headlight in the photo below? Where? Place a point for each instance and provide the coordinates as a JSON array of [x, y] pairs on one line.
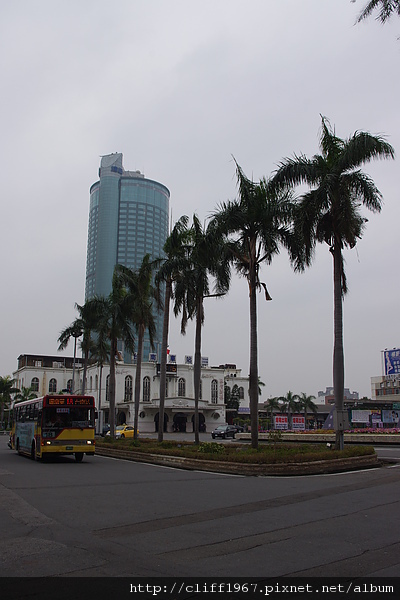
[[88, 441]]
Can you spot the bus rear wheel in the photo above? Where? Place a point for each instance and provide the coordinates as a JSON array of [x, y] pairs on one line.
[[78, 456]]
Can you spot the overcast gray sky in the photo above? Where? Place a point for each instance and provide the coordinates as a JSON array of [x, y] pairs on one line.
[[178, 87]]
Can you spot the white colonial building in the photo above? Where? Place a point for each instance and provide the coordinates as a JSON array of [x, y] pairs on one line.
[[50, 374]]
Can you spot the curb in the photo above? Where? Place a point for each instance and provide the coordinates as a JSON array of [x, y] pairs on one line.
[[194, 464]]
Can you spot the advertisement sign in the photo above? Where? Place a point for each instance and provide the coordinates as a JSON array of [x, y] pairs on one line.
[[360, 416], [392, 361], [392, 417], [298, 422], [280, 422]]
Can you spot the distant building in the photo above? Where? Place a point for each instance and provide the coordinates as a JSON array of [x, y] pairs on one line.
[[46, 374], [54, 374], [328, 397]]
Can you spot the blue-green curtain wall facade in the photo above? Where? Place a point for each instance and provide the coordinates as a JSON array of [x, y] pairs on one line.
[[128, 218]]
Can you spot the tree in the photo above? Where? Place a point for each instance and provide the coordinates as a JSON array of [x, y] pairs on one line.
[[114, 322], [386, 9], [306, 403], [26, 393], [290, 402], [255, 226], [272, 404], [7, 389], [205, 257], [330, 212], [139, 284], [232, 396], [83, 326], [175, 261], [100, 354]]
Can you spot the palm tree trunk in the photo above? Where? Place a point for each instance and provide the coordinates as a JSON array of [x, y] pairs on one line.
[[338, 353], [253, 375], [197, 369], [99, 407], [137, 380], [163, 359], [111, 387]]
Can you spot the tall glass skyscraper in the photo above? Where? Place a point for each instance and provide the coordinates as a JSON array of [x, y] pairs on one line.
[[128, 218]]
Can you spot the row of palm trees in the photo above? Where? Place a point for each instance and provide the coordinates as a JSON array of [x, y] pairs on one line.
[[242, 235], [290, 404]]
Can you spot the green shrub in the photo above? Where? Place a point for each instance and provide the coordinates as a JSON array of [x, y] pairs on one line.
[[211, 448]]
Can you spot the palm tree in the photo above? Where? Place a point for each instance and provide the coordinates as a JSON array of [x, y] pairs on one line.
[[290, 403], [7, 388], [114, 322], [26, 393], [255, 226], [175, 250], [387, 9], [272, 404], [330, 212], [100, 354], [144, 293], [205, 257], [306, 403], [82, 326]]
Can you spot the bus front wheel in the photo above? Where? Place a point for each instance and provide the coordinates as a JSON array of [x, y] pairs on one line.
[[78, 456]]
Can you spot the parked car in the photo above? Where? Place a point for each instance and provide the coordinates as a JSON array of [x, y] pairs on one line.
[[239, 428], [223, 431], [106, 429], [123, 431]]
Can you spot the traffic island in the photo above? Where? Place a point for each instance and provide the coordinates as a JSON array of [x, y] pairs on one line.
[[310, 467]]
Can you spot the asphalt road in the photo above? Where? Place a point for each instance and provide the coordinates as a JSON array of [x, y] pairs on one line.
[[107, 517]]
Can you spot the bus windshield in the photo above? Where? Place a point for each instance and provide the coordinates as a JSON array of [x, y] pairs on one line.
[[56, 417]]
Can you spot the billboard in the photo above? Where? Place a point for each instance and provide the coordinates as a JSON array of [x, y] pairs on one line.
[[392, 361], [280, 422], [391, 416]]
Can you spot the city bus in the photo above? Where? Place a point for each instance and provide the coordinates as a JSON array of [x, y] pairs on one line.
[[54, 425]]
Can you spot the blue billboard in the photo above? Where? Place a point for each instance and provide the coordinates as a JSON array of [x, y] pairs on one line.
[[392, 361]]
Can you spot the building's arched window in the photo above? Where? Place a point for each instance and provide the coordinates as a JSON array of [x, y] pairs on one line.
[[108, 388], [214, 391], [52, 386], [146, 389], [241, 393], [128, 388], [91, 383], [96, 382], [69, 385], [35, 384], [181, 387]]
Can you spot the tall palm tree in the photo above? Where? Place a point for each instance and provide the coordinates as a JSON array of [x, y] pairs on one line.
[[145, 294], [255, 225], [206, 257], [386, 9], [175, 261], [330, 212], [290, 402], [114, 322], [306, 403], [100, 354], [83, 326], [7, 389]]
